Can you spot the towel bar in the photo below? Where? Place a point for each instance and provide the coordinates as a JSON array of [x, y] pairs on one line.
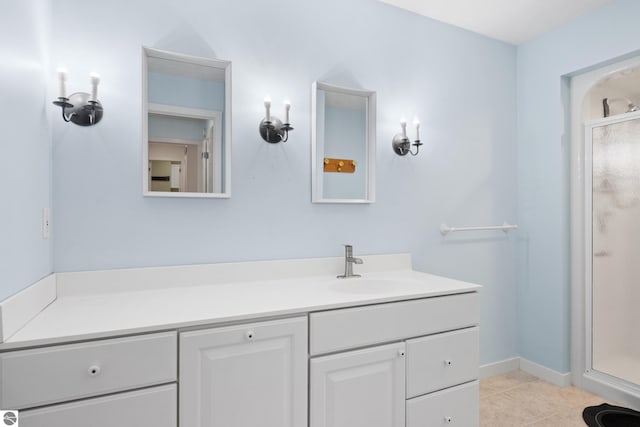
[[445, 229]]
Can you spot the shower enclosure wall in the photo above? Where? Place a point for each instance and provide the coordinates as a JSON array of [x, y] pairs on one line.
[[605, 235]]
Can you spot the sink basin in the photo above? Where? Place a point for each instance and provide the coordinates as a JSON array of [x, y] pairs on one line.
[[361, 285]]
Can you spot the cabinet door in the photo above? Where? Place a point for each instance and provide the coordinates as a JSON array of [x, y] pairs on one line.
[[362, 388], [245, 376]]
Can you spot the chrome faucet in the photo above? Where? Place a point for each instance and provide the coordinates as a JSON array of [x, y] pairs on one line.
[[349, 260]]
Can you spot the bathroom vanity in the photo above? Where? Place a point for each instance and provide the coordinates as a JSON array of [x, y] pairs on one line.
[[273, 344]]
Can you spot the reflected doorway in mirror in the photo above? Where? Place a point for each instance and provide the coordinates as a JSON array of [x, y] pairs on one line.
[[186, 122]]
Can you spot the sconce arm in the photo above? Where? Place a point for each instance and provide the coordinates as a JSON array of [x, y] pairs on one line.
[[416, 144]]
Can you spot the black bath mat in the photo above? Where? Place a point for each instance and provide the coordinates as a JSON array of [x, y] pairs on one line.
[[610, 416]]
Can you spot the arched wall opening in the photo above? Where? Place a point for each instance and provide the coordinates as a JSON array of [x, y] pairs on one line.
[[605, 230]]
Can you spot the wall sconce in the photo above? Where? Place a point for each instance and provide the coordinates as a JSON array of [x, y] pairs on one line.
[[80, 108], [402, 144], [272, 129]]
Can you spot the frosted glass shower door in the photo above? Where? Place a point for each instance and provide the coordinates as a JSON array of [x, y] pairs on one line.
[[615, 247]]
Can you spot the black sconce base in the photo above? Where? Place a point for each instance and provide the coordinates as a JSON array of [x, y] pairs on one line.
[[402, 145], [274, 131], [78, 109]]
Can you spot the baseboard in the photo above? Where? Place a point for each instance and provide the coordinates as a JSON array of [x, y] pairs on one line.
[[500, 367], [544, 373], [515, 363], [18, 310]]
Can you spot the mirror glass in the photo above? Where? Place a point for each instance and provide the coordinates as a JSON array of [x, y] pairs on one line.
[[343, 144], [187, 125]]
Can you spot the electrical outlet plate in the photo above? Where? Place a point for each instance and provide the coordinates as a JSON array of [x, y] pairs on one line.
[[45, 223]]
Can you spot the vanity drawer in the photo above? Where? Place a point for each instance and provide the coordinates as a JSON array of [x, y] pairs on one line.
[[362, 326], [53, 374], [153, 407], [442, 360], [456, 406]]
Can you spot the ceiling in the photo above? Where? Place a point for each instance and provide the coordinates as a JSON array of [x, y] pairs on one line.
[[511, 21]]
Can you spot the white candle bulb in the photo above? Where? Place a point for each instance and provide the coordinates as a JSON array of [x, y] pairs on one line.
[[403, 124], [287, 107], [417, 123], [94, 78], [267, 107], [62, 83]]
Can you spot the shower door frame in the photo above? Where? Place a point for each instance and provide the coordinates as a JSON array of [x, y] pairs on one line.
[[590, 375]]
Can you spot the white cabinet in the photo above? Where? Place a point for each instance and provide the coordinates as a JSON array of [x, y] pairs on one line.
[[30, 379], [407, 363], [362, 388], [245, 376], [366, 388]]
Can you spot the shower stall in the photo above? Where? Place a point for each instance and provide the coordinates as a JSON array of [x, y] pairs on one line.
[[612, 155], [605, 230]]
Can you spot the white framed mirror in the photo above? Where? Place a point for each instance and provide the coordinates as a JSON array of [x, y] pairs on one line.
[[343, 144], [186, 130]]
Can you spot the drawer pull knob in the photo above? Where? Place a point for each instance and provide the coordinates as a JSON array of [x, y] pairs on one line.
[[401, 353], [94, 370], [449, 420], [250, 335], [448, 362]]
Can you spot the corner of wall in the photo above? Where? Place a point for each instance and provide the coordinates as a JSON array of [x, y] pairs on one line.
[[19, 309], [25, 255]]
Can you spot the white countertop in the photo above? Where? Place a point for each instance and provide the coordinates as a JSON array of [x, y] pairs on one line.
[[76, 316]]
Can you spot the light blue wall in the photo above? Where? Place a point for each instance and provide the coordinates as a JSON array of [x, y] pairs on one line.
[[543, 171], [345, 133], [26, 142], [176, 127], [462, 86]]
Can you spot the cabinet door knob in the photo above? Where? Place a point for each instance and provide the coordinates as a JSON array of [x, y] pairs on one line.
[[250, 335], [449, 420], [448, 362], [401, 353], [94, 370]]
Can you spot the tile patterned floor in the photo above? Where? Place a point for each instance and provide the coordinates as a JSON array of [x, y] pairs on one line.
[[519, 399]]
